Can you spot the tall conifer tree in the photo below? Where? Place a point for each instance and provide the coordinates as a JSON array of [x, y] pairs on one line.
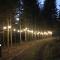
[[50, 12]]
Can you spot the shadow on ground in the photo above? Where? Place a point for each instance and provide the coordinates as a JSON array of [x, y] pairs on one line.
[[50, 51]]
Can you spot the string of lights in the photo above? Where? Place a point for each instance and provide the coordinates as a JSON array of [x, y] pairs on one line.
[[29, 31]]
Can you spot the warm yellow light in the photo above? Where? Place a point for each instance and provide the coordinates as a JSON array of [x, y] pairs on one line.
[[50, 32], [38, 33], [25, 29], [4, 27], [35, 32], [9, 27], [28, 30], [45, 33], [21, 30], [18, 30], [41, 33], [14, 29], [31, 31], [0, 44]]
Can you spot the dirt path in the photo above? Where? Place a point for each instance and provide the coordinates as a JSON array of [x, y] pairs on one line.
[[40, 53], [35, 52], [27, 51]]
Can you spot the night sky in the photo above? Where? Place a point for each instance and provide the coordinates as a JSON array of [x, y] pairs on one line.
[[42, 2], [11, 3], [7, 4], [58, 4]]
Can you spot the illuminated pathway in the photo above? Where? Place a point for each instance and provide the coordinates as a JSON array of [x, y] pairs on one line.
[[17, 50], [30, 53]]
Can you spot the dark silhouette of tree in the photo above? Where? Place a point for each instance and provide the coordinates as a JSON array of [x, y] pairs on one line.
[[58, 22], [7, 8], [50, 13], [7, 5], [32, 12]]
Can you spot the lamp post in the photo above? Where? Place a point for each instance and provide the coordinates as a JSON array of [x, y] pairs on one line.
[[38, 35], [20, 29], [0, 51], [35, 35], [25, 30], [14, 30], [32, 33], [4, 28], [8, 28]]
